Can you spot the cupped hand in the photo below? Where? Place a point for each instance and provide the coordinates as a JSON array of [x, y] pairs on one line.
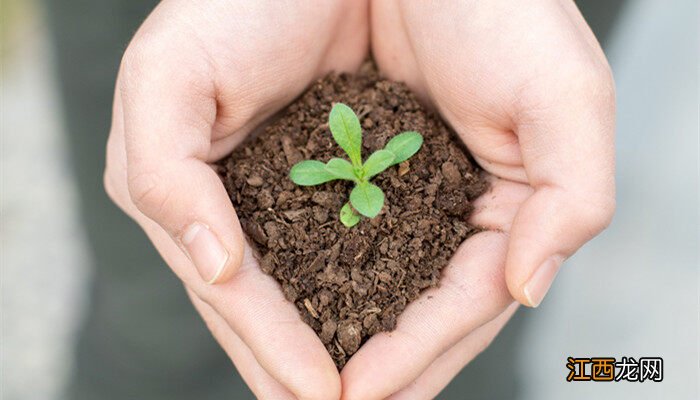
[[196, 78], [529, 91]]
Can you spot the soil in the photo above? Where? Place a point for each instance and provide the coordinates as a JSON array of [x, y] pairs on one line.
[[350, 283]]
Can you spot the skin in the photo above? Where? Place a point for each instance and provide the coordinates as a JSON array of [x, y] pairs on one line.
[[526, 87]]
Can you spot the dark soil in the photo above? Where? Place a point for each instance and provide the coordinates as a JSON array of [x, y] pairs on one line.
[[350, 283]]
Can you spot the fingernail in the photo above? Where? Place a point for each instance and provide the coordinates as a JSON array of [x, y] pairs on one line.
[[206, 252], [538, 285]]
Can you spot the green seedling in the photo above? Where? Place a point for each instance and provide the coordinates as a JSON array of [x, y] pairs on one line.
[[366, 198]]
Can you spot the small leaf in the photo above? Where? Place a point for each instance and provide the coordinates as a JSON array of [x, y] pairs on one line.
[[378, 162], [348, 216], [341, 169], [404, 146], [309, 173], [367, 199], [346, 131]]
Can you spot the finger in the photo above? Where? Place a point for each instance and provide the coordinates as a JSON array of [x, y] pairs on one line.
[[169, 109], [472, 292], [259, 381], [252, 305], [448, 365], [567, 143]]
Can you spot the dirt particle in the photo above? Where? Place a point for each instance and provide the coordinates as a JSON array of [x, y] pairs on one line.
[[328, 331], [349, 336], [404, 167], [310, 308], [326, 199], [255, 181], [292, 154], [320, 214], [268, 263], [451, 173], [290, 293], [265, 199], [325, 297], [370, 321], [255, 231]]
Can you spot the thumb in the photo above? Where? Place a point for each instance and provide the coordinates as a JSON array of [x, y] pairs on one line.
[[168, 114], [568, 154], [549, 227]]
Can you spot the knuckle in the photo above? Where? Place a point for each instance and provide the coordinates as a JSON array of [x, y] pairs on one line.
[[596, 214], [606, 211], [585, 86], [132, 63], [143, 54], [594, 81], [148, 194]]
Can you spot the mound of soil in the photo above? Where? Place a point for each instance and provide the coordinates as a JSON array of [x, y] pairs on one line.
[[350, 283]]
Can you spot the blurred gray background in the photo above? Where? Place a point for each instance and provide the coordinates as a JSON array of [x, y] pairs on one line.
[[632, 291]]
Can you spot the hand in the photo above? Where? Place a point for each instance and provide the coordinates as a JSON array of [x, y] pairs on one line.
[[528, 90], [197, 77]]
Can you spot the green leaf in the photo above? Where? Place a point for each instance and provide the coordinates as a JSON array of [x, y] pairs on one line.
[[309, 173], [348, 216], [341, 169], [367, 199], [346, 131], [404, 146], [378, 162]]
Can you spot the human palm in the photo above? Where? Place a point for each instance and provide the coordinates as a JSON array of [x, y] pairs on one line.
[[527, 90]]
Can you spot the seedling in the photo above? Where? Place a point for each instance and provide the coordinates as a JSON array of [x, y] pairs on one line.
[[366, 198]]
